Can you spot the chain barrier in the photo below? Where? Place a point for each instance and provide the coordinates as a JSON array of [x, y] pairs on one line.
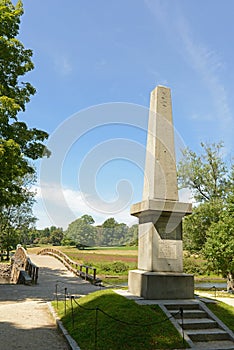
[[215, 290], [98, 310]]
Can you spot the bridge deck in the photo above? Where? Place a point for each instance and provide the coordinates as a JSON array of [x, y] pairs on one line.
[[25, 322]]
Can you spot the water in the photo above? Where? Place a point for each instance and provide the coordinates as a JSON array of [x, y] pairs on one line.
[[209, 285], [198, 285], [201, 285]]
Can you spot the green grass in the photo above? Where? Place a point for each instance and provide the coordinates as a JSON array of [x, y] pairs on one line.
[[224, 312], [113, 248], [114, 335]]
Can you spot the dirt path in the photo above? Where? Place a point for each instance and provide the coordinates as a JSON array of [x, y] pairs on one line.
[[25, 321]]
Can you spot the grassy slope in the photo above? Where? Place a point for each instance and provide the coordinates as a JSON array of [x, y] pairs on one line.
[[113, 335], [224, 312]]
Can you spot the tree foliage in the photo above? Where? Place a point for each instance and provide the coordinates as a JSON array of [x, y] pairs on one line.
[[81, 231], [219, 246], [16, 221], [49, 235], [18, 143], [210, 227], [111, 233], [204, 174], [196, 225]]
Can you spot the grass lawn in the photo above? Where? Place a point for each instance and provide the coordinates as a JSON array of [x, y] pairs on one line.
[[224, 312], [141, 327]]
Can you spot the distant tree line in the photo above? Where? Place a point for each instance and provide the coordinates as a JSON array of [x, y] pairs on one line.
[[82, 232]]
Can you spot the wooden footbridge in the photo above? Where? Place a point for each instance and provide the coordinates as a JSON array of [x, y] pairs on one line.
[[24, 271], [86, 272]]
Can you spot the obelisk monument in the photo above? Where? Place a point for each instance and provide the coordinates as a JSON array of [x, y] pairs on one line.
[[160, 249]]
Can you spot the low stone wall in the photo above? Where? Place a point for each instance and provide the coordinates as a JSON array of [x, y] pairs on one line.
[[23, 270], [5, 270]]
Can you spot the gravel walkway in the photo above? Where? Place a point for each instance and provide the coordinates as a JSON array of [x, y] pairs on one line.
[[25, 321]]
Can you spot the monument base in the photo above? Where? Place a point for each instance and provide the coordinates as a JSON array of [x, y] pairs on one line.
[[161, 285]]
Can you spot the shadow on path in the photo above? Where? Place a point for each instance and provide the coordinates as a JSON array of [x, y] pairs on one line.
[[25, 321], [51, 272]]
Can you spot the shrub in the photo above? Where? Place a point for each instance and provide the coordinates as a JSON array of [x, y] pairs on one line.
[[195, 265], [114, 267]]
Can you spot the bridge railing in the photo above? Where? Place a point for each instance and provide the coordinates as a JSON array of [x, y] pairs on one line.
[[84, 271]]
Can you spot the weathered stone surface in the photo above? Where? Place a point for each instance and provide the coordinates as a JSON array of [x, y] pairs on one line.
[[160, 248], [161, 285], [5, 270], [160, 164]]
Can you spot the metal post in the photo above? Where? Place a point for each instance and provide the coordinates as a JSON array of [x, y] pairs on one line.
[[65, 299], [96, 325], [72, 311], [182, 321], [36, 277], [94, 274], [81, 270], [56, 293]]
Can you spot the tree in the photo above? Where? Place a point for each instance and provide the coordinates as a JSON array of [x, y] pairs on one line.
[[210, 228], [205, 174], [15, 223], [219, 246], [56, 235], [13, 169], [113, 233], [132, 235], [49, 235], [81, 231], [18, 143], [196, 225]]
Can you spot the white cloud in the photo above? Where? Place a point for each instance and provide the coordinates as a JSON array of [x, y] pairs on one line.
[[52, 211]]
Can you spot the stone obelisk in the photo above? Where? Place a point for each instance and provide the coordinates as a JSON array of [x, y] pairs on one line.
[[160, 249]]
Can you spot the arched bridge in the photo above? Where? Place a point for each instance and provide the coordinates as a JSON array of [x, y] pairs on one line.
[[86, 272]]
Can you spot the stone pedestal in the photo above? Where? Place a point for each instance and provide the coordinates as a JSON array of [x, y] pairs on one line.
[[161, 285]]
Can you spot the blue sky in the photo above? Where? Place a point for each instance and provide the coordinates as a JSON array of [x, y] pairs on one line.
[[96, 63]]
